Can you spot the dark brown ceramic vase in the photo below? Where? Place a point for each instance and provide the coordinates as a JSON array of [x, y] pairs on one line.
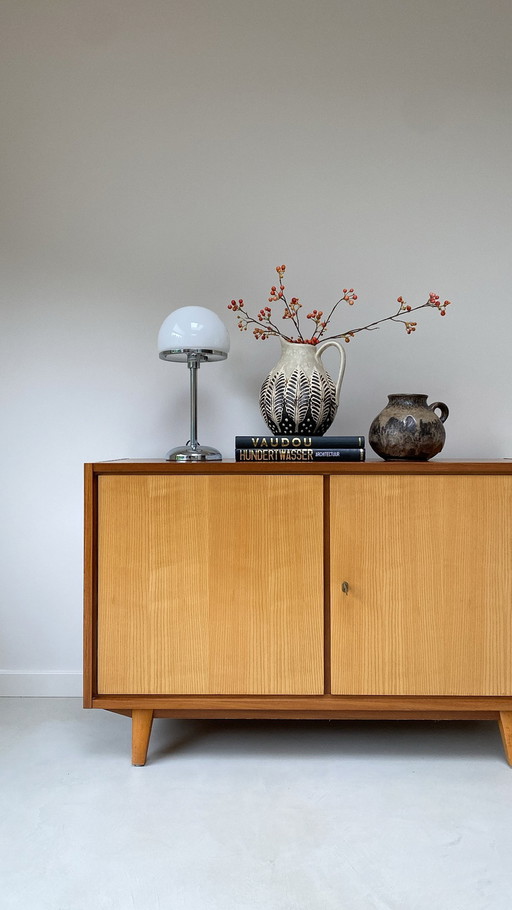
[[408, 428]]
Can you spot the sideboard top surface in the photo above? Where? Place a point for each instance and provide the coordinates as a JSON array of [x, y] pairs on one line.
[[229, 466]]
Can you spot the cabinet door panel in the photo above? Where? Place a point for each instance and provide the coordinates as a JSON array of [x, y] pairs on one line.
[[428, 562], [210, 585]]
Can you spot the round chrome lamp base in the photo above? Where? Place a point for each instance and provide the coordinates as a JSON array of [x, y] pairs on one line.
[[193, 453]]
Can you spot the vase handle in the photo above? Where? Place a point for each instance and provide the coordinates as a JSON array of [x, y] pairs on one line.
[[441, 406], [334, 344]]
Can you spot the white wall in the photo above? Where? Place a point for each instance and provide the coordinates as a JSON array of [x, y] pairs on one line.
[[157, 153]]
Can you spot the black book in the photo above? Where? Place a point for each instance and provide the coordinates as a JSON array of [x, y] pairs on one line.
[[298, 455], [299, 442]]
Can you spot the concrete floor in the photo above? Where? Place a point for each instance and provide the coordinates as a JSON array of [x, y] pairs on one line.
[[242, 815]]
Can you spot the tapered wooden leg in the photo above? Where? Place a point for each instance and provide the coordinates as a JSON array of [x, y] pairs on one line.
[[505, 723], [142, 721]]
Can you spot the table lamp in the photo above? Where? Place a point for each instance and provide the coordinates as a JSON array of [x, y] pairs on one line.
[[193, 335]]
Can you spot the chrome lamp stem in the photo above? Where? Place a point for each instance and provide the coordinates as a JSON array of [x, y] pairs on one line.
[[192, 451]]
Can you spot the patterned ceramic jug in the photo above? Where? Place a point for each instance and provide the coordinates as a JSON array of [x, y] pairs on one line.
[[298, 395]]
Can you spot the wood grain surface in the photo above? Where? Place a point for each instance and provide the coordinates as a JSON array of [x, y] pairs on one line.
[[210, 584], [428, 562]]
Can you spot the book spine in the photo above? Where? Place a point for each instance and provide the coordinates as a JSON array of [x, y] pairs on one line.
[[299, 455], [299, 442]]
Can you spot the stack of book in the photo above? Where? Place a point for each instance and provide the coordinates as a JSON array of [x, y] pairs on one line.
[[299, 448]]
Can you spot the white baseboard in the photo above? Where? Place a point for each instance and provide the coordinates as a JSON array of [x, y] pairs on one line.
[[40, 685]]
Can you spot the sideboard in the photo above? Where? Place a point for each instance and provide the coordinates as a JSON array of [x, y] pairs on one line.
[[320, 590]]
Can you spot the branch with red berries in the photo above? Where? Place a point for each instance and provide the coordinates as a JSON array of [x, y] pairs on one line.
[[264, 325]]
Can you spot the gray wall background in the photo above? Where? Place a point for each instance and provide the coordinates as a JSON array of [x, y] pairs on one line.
[[157, 153]]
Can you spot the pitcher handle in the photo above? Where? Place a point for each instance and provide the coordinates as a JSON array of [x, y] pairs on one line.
[[335, 344], [441, 406]]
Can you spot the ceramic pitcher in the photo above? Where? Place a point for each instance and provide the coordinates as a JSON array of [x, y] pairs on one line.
[[298, 395]]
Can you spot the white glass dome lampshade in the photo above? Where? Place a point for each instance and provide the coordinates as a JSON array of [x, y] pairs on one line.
[[193, 335], [193, 329]]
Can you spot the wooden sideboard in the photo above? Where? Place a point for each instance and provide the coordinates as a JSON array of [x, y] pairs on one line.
[[331, 590]]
